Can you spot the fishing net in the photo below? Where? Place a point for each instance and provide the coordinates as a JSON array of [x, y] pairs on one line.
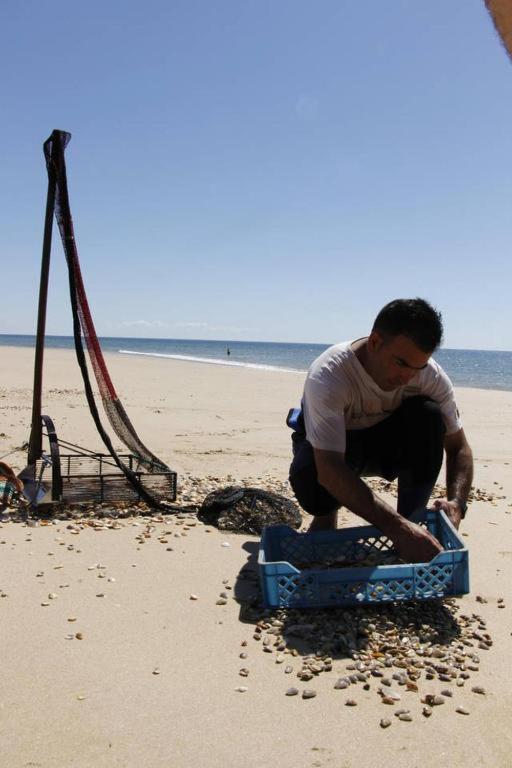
[[83, 326], [248, 510]]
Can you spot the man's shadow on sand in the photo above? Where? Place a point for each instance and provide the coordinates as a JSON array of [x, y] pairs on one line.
[[345, 626]]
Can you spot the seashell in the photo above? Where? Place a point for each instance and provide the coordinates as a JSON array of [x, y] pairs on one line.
[[393, 695], [385, 723], [244, 672], [79, 636], [433, 700], [292, 692], [462, 711], [351, 703], [52, 596], [308, 693], [427, 711], [241, 688]]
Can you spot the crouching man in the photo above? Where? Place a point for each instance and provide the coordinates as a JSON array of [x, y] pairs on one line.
[[381, 406]]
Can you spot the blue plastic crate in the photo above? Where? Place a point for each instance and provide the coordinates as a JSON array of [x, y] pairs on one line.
[[287, 581]]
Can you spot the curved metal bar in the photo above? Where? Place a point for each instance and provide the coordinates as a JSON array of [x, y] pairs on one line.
[[55, 456]]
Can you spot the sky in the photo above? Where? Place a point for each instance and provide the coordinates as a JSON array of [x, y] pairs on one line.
[[260, 170]]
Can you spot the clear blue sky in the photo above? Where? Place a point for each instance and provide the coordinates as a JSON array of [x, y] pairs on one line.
[[261, 170]]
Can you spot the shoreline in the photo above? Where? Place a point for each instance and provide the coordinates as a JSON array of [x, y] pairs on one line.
[[216, 362]]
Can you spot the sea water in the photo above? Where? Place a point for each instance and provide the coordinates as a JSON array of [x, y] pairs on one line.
[[482, 369]]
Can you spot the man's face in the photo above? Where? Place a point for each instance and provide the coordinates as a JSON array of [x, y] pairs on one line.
[[393, 362]]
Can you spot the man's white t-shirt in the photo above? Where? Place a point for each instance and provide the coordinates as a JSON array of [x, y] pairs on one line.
[[340, 395]]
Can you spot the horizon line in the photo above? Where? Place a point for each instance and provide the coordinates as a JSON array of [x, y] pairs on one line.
[[235, 341]]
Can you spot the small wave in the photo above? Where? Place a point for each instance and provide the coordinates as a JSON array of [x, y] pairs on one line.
[[212, 361]]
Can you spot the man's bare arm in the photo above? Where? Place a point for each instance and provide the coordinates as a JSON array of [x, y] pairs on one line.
[[414, 543], [459, 475]]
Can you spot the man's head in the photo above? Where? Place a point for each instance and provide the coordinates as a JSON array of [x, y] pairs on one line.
[[403, 337]]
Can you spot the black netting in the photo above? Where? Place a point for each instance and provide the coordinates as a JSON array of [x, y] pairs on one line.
[[83, 326]]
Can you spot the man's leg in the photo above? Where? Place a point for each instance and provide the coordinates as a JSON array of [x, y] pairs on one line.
[[408, 445], [312, 497], [423, 440]]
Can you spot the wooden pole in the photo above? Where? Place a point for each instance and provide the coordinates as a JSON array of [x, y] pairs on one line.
[[36, 434]]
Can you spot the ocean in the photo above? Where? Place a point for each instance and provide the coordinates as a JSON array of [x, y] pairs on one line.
[[466, 367]]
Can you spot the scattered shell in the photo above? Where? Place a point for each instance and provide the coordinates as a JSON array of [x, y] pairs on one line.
[[391, 694], [292, 692], [241, 688], [385, 723], [479, 689], [194, 597], [351, 703], [52, 596], [79, 636], [462, 711], [308, 693], [244, 655], [72, 618], [45, 604], [433, 700], [156, 671], [244, 672]]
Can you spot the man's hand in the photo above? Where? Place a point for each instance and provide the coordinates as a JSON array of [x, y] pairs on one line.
[[451, 509], [413, 543]]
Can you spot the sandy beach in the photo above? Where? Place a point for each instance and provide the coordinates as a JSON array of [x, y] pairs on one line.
[[115, 651]]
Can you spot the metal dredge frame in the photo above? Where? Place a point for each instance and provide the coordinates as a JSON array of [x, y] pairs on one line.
[[84, 476]]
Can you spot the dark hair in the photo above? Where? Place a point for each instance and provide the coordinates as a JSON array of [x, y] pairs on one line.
[[414, 318]]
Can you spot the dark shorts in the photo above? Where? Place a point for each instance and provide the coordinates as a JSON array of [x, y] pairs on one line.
[[407, 445]]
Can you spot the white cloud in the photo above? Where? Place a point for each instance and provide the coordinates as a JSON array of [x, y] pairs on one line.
[[307, 107], [212, 327], [143, 324]]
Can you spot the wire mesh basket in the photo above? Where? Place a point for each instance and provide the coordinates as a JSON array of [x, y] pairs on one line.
[[96, 478]]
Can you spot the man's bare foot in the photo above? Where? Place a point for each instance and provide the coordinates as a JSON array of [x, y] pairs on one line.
[[324, 522]]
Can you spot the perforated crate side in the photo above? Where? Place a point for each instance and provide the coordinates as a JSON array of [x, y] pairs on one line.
[[285, 585]]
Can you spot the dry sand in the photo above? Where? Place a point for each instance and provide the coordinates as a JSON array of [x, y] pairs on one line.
[[97, 701]]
